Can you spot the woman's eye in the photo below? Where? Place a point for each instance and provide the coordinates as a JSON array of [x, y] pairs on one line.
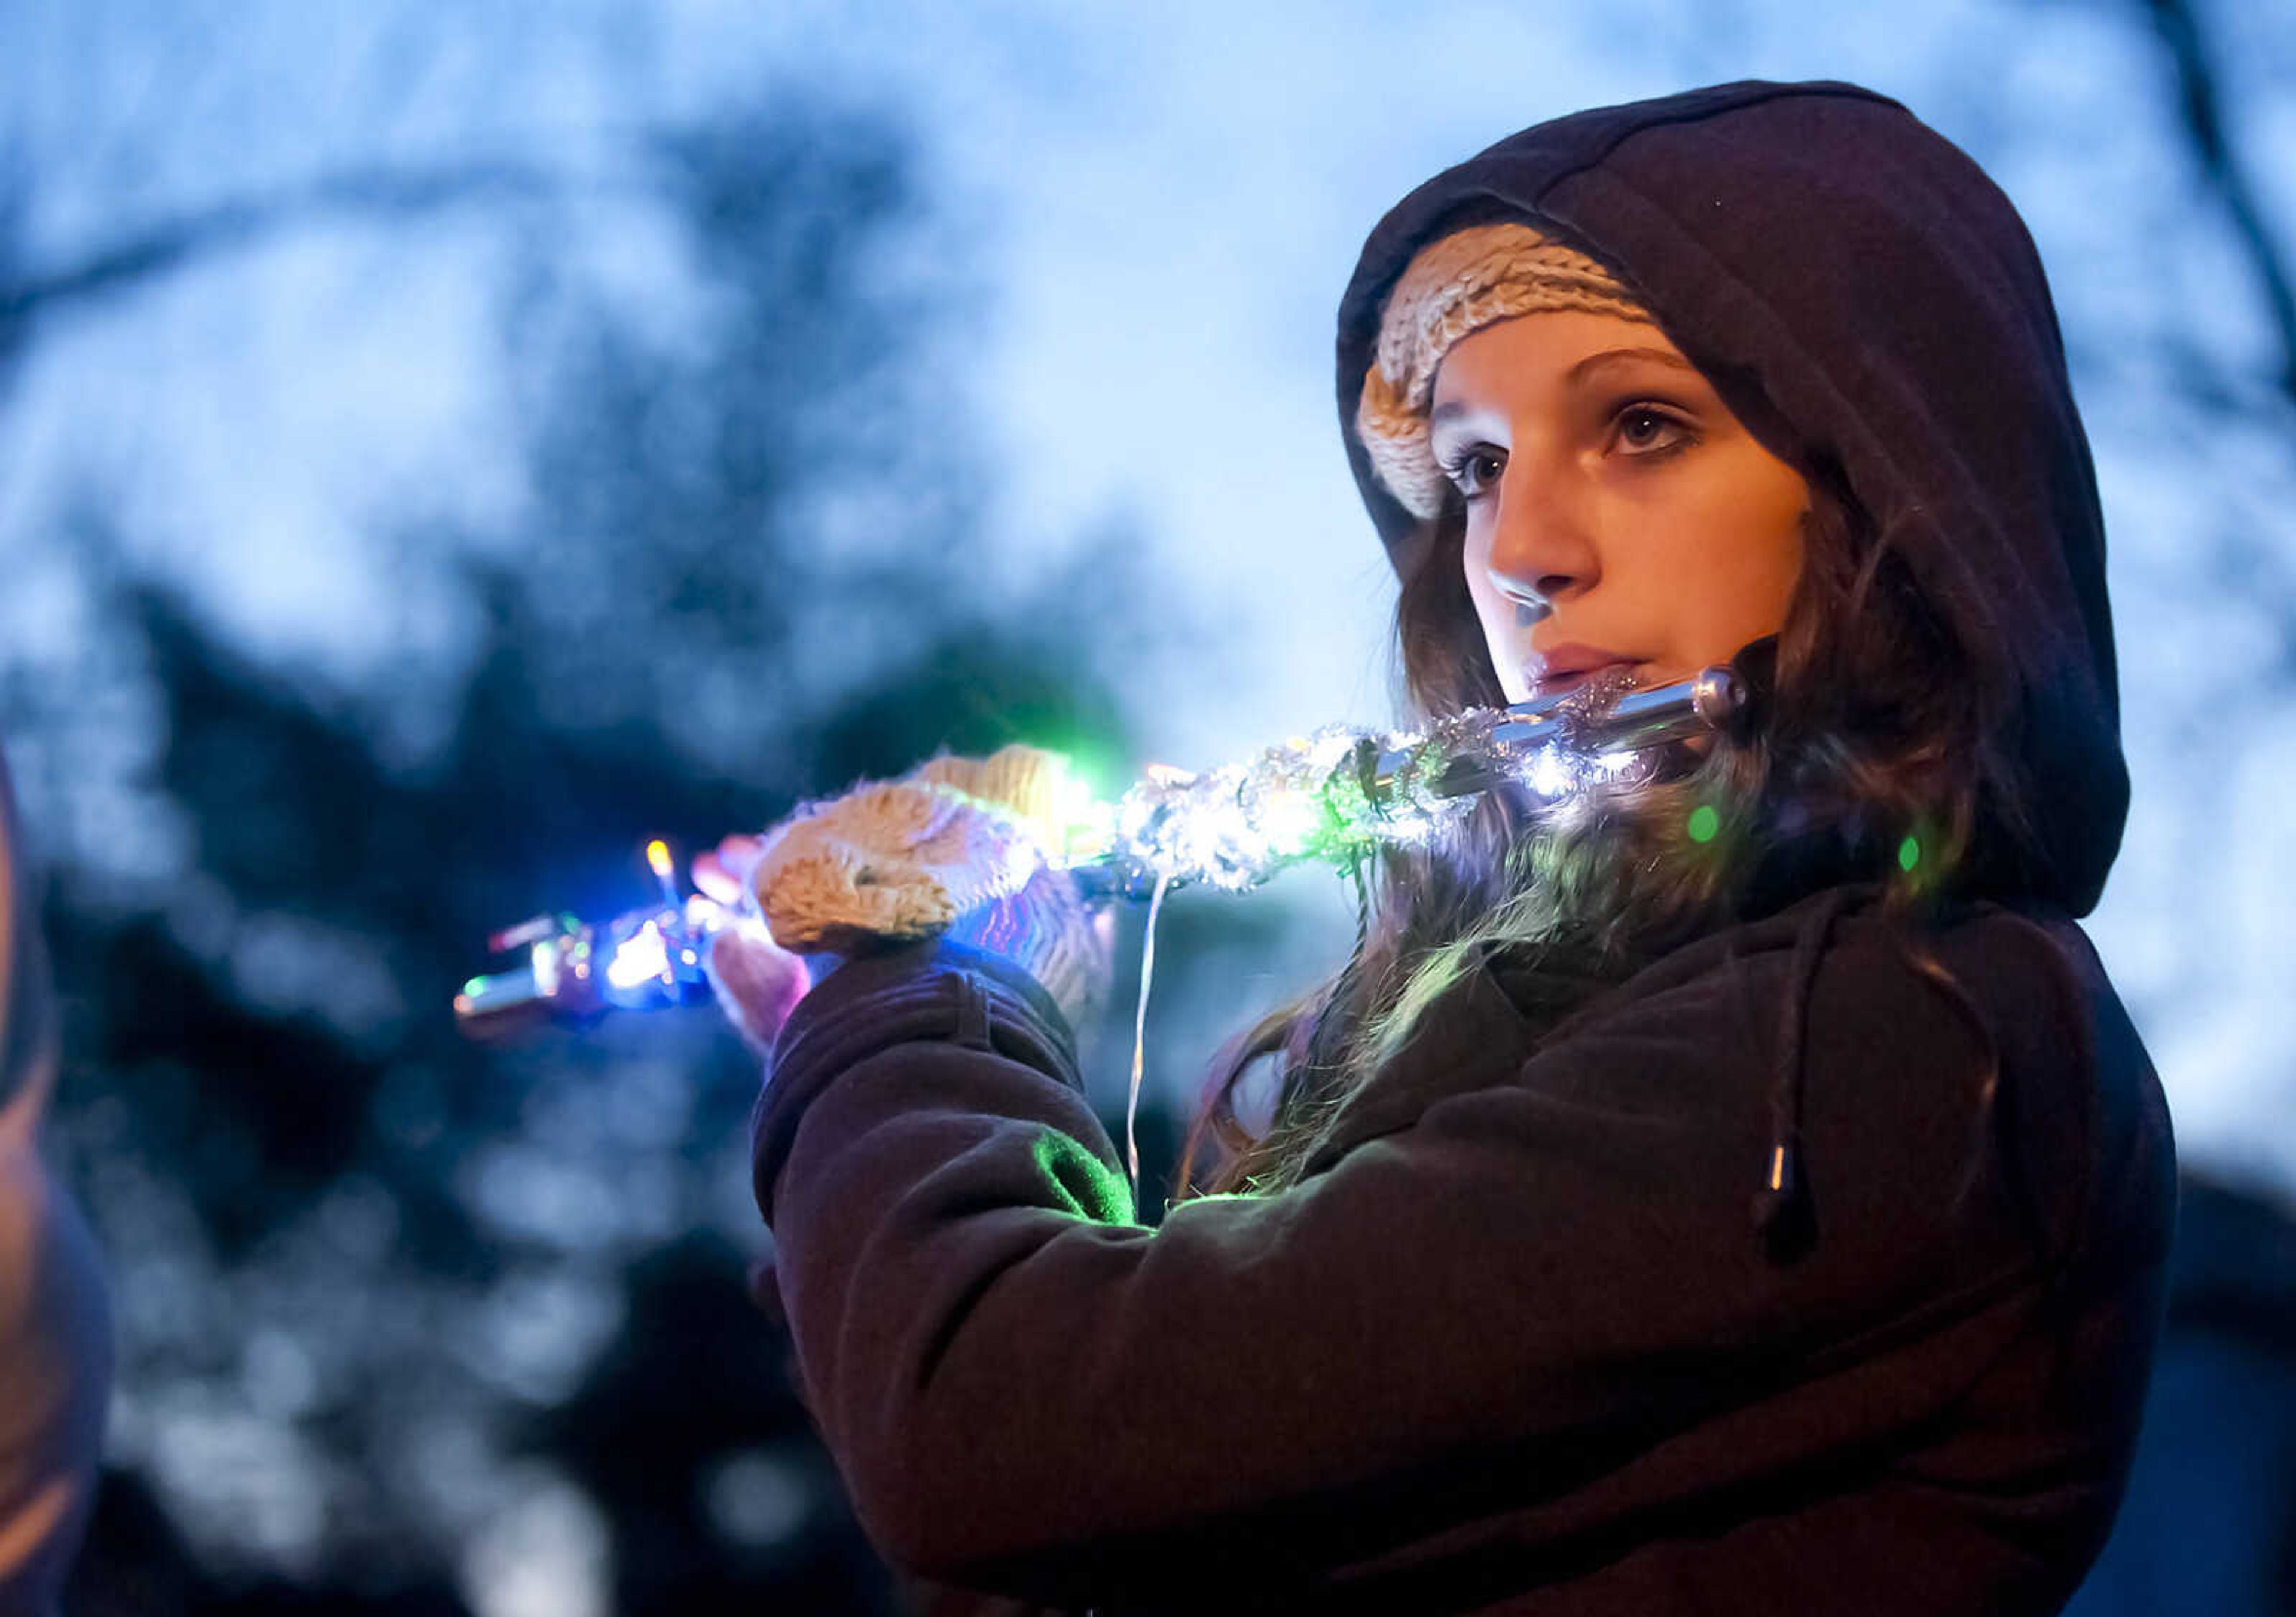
[[1643, 430], [1476, 471]]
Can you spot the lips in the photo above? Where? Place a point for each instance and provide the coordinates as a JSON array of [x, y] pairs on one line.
[[1564, 668]]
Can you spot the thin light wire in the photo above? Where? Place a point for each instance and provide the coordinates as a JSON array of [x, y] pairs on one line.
[[1140, 1032]]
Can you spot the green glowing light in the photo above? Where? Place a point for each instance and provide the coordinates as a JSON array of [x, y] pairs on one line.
[[1292, 822], [1705, 824], [475, 987], [1082, 824], [1079, 1183], [1909, 853]]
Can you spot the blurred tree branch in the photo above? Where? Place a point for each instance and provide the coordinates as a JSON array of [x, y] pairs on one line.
[[28, 295], [2200, 99]]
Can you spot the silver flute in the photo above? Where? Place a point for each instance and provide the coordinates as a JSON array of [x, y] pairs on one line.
[[1335, 796]]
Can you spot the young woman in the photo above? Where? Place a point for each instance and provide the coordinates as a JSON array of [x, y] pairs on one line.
[[1739, 1190]]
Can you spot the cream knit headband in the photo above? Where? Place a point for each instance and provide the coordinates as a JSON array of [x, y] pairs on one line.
[[1455, 286]]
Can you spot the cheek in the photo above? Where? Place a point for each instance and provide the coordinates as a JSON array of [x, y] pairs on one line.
[[1741, 581], [1758, 579]]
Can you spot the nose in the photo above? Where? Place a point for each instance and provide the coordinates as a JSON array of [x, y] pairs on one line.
[[1542, 550]]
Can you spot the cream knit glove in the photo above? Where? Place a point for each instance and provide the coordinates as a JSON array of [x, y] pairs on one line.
[[955, 848]]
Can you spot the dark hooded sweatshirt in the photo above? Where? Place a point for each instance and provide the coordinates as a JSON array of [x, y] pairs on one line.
[[1515, 1344]]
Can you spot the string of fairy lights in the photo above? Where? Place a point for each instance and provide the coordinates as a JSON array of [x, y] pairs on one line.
[[1330, 797]]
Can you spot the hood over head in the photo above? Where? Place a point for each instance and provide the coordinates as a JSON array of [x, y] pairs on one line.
[[1865, 299]]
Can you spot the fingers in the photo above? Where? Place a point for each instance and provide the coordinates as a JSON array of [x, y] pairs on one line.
[[722, 873], [758, 984], [713, 881]]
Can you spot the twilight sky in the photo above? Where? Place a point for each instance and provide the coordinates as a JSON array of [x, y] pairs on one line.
[[1159, 206]]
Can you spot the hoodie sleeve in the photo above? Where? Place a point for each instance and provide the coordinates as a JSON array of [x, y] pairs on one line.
[[1534, 1296], [55, 1352]]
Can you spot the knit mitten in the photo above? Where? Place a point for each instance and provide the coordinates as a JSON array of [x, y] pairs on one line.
[[955, 847]]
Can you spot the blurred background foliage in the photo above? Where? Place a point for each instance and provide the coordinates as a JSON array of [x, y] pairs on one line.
[[411, 1325], [403, 1316]]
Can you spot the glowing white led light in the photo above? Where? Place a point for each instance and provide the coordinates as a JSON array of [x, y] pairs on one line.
[[1548, 772], [542, 959], [639, 957]]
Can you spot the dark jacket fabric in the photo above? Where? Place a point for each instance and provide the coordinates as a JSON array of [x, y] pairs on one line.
[[1512, 1346], [1517, 1342]]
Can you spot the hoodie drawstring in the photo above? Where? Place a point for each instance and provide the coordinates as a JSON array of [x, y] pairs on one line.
[[1781, 1206]]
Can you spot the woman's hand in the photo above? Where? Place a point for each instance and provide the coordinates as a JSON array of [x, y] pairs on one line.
[[757, 982], [722, 873], [955, 847]]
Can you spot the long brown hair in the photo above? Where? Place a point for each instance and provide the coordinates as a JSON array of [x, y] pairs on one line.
[[1879, 757]]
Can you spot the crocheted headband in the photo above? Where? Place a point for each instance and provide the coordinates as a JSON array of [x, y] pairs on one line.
[[1455, 286]]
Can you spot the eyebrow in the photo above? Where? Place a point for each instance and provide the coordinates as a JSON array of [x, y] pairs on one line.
[[1611, 356], [1578, 373]]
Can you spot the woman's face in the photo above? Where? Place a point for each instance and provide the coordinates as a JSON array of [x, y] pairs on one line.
[[1616, 513]]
